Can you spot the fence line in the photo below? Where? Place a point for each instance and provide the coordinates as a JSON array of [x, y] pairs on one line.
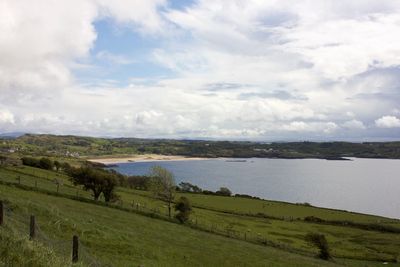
[[141, 208], [31, 228]]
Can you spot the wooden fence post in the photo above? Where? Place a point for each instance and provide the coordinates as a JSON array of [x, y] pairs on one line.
[[75, 248], [1, 213], [32, 228]]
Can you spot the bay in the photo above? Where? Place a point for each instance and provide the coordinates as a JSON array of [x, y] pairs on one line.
[[369, 186]]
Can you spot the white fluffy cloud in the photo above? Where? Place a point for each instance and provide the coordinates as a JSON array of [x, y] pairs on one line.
[[249, 69], [354, 125], [388, 122], [6, 117]]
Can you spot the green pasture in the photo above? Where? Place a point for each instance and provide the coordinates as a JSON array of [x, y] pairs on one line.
[[122, 238], [233, 217]]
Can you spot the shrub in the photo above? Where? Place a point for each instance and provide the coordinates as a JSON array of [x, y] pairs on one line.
[[57, 164], [3, 159], [138, 182], [188, 187], [43, 163], [313, 219], [246, 196], [321, 243], [46, 163], [28, 161], [224, 191], [184, 209]]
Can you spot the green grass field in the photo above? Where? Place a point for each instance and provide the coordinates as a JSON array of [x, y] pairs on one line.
[[117, 235], [345, 241], [127, 239]]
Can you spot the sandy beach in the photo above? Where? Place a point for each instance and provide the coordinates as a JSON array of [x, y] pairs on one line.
[[142, 158]]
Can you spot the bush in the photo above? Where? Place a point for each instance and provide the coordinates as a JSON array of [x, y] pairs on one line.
[[321, 243], [28, 161], [46, 163], [57, 164], [313, 219], [3, 159], [246, 196], [43, 163], [184, 209], [188, 187], [224, 191], [138, 182]]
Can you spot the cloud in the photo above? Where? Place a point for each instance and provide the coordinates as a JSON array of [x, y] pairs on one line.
[[229, 69], [388, 122], [114, 58], [6, 117], [150, 117], [300, 126], [354, 125], [278, 94], [143, 15]]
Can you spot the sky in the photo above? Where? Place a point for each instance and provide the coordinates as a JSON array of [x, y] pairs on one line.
[[263, 70]]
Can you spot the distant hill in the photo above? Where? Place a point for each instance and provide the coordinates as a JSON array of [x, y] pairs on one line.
[[11, 135], [45, 144]]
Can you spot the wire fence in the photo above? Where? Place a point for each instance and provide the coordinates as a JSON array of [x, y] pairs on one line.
[[143, 208], [62, 248]]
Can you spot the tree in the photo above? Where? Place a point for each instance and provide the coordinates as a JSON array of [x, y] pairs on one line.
[[162, 184], [224, 191], [28, 161], [97, 180], [46, 163], [138, 182], [185, 187], [321, 243], [89, 178], [184, 209], [57, 164], [188, 187], [3, 159], [109, 183], [65, 166]]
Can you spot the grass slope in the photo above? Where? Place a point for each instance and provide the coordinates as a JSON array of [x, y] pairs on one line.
[[236, 217], [127, 239]]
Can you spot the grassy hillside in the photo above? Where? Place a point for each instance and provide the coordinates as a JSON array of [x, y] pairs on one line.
[[261, 232], [127, 239], [17, 250]]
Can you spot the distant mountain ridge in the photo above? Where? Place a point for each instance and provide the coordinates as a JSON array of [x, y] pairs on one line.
[[12, 134], [66, 145]]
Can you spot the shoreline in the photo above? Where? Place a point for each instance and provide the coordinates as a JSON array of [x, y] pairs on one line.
[[143, 158], [157, 157]]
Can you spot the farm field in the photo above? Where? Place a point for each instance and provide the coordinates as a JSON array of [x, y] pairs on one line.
[[121, 238], [234, 222]]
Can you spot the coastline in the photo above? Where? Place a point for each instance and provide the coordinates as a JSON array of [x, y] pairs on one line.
[[109, 160], [142, 158]]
